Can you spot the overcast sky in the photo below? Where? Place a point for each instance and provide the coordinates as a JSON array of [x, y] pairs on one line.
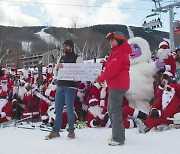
[[64, 13]]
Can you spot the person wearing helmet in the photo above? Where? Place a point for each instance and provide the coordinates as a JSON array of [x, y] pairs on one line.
[[116, 75]]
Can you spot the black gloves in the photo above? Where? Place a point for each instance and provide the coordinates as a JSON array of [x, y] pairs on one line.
[[106, 118], [154, 114], [95, 123]]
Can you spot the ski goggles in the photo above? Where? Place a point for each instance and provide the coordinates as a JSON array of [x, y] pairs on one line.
[[114, 35]]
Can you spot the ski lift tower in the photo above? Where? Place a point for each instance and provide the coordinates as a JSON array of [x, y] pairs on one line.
[[171, 18]]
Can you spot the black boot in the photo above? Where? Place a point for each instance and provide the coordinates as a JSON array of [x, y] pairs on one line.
[[142, 115]]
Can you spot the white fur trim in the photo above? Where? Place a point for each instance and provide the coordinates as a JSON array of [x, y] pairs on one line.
[[8, 118], [160, 87], [101, 116], [167, 97], [93, 100], [135, 114], [97, 85], [168, 73], [153, 109], [91, 124], [163, 43], [31, 113], [108, 124], [45, 117], [47, 92], [102, 103], [131, 123], [167, 67], [3, 114], [159, 113]]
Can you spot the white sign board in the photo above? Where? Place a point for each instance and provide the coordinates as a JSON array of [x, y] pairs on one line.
[[79, 71]]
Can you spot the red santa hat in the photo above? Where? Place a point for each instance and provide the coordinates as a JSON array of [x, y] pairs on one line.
[[50, 65], [93, 101], [4, 79], [82, 86], [169, 74], [164, 45]]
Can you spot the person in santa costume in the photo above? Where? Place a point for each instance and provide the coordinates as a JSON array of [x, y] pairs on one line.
[[161, 111], [129, 114], [13, 71], [164, 54], [80, 104], [52, 115], [165, 79], [34, 76], [5, 108], [4, 83], [96, 116], [18, 103], [31, 102], [50, 94], [27, 74], [177, 74], [100, 91], [49, 71]]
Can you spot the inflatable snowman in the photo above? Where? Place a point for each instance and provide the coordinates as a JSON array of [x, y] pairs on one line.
[[142, 69]]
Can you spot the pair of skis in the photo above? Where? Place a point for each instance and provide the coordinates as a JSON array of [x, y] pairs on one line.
[[164, 127], [26, 124]]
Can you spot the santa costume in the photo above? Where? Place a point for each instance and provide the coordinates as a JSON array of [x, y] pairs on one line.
[[44, 105], [5, 108], [164, 54], [96, 116], [163, 109]]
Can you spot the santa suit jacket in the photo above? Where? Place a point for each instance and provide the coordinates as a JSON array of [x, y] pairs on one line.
[[95, 113], [172, 62], [170, 110], [6, 112]]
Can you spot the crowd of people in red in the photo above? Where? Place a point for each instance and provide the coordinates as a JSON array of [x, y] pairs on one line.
[[21, 97]]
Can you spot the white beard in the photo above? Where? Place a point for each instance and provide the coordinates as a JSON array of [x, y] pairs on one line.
[[163, 53], [13, 73], [80, 95], [25, 74], [49, 70], [4, 87], [21, 92], [52, 87], [2, 103]]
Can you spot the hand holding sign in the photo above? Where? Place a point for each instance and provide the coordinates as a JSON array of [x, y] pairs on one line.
[[79, 71]]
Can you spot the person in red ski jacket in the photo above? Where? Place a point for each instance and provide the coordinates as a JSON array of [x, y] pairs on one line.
[[116, 75]]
